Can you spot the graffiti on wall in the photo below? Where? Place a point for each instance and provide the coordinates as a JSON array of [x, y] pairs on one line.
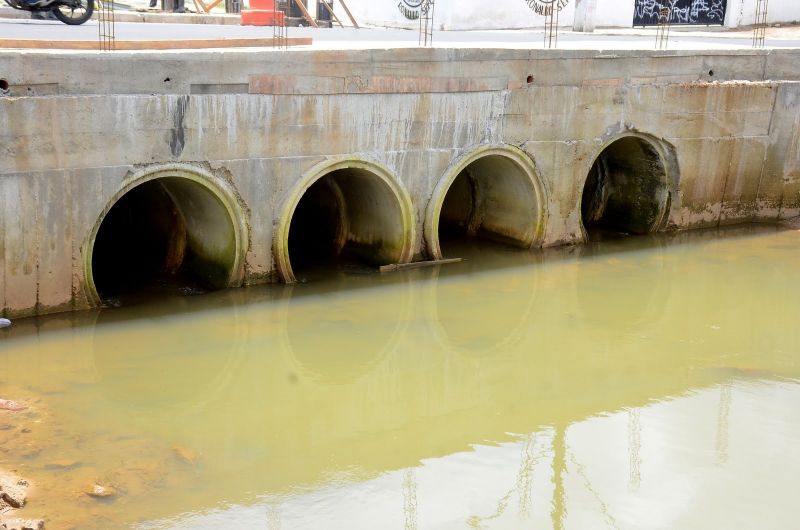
[[546, 7], [702, 12], [410, 8]]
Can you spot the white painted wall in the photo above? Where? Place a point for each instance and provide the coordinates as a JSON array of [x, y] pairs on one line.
[[515, 14], [496, 14], [743, 12], [614, 14], [455, 14]]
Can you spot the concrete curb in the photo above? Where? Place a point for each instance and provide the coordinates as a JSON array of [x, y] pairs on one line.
[[177, 44]]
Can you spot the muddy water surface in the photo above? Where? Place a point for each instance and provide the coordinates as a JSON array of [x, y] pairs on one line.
[[639, 383]]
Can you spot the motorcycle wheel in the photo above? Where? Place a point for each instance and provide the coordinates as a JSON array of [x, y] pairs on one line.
[[74, 16]]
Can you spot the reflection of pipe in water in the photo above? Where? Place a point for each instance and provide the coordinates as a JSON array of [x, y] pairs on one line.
[[558, 512], [580, 470], [525, 475], [641, 288], [723, 423], [634, 449], [410, 499], [273, 517], [190, 354], [478, 318], [38, 341], [45, 326], [350, 333]]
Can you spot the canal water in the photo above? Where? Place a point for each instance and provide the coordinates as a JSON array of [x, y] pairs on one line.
[[641, 383]]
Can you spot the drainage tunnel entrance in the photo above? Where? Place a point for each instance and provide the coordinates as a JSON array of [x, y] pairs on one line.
[[493, 198], [626, 190], [347, 219], [166, 235]]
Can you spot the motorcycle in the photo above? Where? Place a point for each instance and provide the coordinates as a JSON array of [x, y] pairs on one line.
[[72, 12]]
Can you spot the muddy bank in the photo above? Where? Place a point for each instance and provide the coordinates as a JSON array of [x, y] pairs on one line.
[[13, 497], [14, 489], [74, 487]]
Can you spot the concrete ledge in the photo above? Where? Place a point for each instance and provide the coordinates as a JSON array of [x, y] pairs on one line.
[[48, 70], [383, 84], [186, 44], [158, 17]]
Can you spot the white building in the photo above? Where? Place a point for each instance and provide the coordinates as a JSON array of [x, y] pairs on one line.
[[577, 14]]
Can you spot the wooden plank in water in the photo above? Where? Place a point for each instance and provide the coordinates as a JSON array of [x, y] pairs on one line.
[[418, 264]]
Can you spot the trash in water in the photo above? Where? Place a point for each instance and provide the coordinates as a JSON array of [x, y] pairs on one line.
[[4, 323]]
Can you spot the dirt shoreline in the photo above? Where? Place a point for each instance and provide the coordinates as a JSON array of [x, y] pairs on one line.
[[14, 489], [14, 492]]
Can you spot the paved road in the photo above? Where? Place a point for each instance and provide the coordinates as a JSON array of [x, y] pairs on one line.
[[346, 38]]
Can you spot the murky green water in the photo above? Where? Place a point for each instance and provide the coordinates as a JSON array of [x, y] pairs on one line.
[[642, 383]]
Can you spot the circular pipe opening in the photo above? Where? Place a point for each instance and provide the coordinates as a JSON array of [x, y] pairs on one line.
[[167, 235], [626, 190], [4, 84], [493, 197], [348, 218]]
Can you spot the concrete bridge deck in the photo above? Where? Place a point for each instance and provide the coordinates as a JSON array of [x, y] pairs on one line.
[[234, 168]]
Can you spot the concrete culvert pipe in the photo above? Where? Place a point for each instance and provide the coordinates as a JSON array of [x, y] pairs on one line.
[[348, 216], [168, 233], [496, 197], [626, 190]]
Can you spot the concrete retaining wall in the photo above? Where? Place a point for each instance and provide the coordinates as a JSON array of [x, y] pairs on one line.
[[258, 125]]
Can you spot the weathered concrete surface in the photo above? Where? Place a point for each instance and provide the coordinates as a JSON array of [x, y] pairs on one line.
[[263, 125], [152, 45]]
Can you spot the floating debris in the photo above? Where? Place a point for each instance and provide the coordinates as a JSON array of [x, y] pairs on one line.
[[187, 455], [98, 491], [64, 463], [13, 406], [5, 323]]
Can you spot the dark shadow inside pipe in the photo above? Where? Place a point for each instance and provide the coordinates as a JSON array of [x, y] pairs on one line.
[[626, 190], [167, 235], [317, 228], [491, 199], [348, 220]]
